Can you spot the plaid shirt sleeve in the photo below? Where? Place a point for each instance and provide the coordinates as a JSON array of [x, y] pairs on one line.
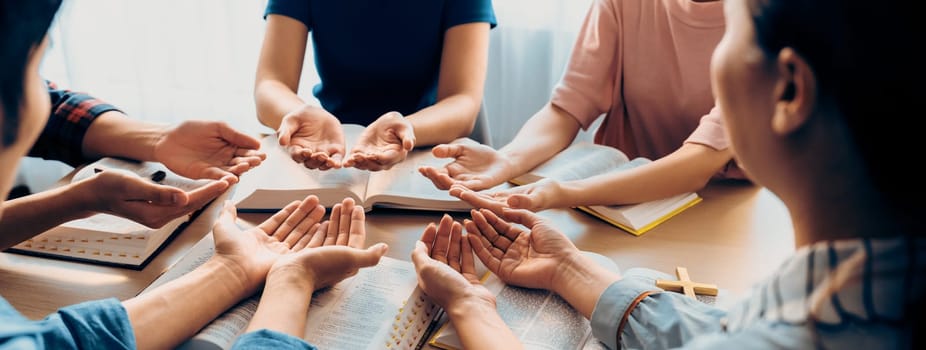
[[71, 116]]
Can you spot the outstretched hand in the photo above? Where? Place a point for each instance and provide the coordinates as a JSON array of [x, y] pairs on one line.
[[127, 195], [528, 257], [446, 269], [383, 144], [313, 137], [207, 150], [535, 196], [474, 166], [255, 250], [334, 252]]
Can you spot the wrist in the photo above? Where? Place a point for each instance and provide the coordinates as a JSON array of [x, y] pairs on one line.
[[470, 306], [80, 199], [234, 275], [565, 194], [288, 279], [580, 281]]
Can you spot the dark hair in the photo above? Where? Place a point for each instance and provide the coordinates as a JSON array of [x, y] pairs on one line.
[[23, 24], [862, 59], [861, 54]]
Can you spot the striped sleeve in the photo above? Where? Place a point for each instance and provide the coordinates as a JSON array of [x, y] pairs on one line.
[[72, 113]]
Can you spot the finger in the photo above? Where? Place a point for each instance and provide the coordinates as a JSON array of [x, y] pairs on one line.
[[447, 151], [334, 161], [503, 227], [522, 217], [334, 222], [229, 213], [285, 132], [237, 170], [481, 200], [270, 225], [246, 152], [249, 160], [485, 229], [467, 264], [305, 226], [237, 138], [318, 237], [482, 248], [442, 243], [429, 235], [453, 254], [297, 216], [441, 180], [307, 238], [475, 184], [420, 255], [407, 136], [521, 201], [371, 255], [344, 228], [139, 190], [214, 173], [492, 249], [358, 233]]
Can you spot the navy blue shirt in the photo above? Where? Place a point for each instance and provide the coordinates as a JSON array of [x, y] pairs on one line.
[[377, 56]]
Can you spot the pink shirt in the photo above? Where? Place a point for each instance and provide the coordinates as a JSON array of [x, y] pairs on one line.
[[645, 64]]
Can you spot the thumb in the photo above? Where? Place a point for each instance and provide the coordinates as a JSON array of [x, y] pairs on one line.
[[408, 138], [420, 254], [237, 138], [447, 151], [371, 255], [285, 132], [521, 216], [229, 212], [521, 201], [140, 190]]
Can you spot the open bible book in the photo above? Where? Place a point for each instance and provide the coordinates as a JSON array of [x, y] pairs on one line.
[[108, 239], [379, 308], [540, 319], [280, 180], [584, 160]]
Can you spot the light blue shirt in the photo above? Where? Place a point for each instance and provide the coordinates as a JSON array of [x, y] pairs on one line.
[[833, 295], [101, 324], [270, 340]]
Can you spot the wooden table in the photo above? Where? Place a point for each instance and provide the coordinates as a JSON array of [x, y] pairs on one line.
[[736, 236]]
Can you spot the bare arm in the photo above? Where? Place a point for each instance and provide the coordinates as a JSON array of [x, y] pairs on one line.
[[464, 62], [544, 135], [279, 68], [28, 216], [113, 134], [688, 169]]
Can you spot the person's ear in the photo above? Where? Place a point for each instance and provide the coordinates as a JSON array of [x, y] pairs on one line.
[[795, 92]]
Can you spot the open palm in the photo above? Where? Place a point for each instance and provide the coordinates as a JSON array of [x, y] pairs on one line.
[[474, 166], [383, 144], [207, 150], [523, 257], [313, 137]]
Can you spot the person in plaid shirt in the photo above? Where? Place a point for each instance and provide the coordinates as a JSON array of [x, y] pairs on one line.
[[81, 129]]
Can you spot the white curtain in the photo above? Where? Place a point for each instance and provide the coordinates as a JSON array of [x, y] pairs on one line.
[[171, 60]]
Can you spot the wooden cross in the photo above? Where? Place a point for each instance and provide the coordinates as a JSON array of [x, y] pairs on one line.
[[685, 285]]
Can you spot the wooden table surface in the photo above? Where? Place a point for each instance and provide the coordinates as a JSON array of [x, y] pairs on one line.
[[736, 236]]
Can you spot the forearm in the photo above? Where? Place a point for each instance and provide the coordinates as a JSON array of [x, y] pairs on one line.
[[113, 134], [175, 311], [544, 135], [480, 327], [688, 169], [283, 307], [580, 281], [25, 217], [447, 120], [274, 100]]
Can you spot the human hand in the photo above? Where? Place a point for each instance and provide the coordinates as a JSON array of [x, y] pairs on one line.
[[474, 166], [313, 137], [255, 250], [383, 144], [535, 196], [207, 150], [128, 195], [532, 257], [445, 265], [334, 252]]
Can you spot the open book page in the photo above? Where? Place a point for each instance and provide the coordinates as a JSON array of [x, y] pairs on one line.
[[359, 312], [404, 187], [279, 180], [579, 161], [539, 318]]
